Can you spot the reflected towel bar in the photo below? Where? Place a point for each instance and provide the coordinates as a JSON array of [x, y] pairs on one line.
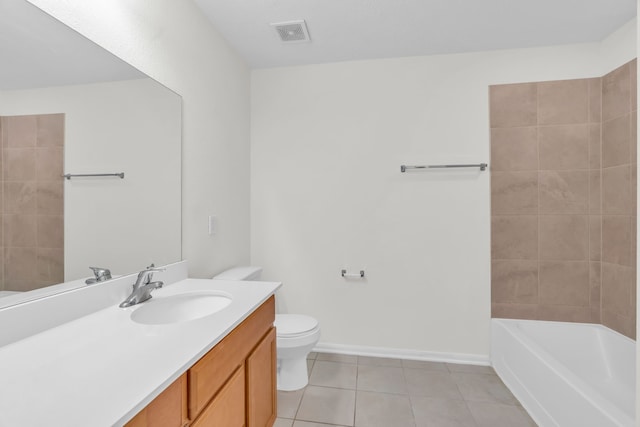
[[482, 166], [352, 275], [75, 175]]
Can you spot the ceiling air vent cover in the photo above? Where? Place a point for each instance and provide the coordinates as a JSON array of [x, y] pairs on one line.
[[292, 31]]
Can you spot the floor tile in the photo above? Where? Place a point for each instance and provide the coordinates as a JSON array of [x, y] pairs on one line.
[[288, 402], [423, 364], [333, 357], [431, 412], [384, 379], [474, 369], [482, 387], [383, 410], [310, 363], [283, 422], [327, 405], [312, 355], [332, 374], [432, 384], [379, 361], [308, 424], [497, 415]]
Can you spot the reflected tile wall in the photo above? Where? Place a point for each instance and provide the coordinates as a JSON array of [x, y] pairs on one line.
[[563, 200], [31, 202]]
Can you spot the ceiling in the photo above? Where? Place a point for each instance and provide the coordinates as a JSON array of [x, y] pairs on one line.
[[344, 30], [39, 51]]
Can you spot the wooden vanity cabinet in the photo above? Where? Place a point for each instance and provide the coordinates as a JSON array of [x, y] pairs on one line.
[[233, 385], [261, 380], [169, 409]]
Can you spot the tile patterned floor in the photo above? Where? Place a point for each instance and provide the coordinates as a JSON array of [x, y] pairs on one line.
[[378, 392]]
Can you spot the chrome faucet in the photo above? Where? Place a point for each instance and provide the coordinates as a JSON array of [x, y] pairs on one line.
[[101, 274], [143, 287]]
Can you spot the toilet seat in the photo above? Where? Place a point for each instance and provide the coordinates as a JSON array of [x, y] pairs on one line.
[[294, 325]]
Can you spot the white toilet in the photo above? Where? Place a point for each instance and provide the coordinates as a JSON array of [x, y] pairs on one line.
[[296, 336]]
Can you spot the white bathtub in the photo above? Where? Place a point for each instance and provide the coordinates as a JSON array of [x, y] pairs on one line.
[[567, 374]]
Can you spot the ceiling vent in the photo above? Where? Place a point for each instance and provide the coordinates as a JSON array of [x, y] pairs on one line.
[[292, 31]]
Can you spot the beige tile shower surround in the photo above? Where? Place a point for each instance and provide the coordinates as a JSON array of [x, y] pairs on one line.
[[563, 208], [31, 206]]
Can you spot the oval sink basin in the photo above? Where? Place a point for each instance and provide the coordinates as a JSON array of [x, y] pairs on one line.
[[180, 308]]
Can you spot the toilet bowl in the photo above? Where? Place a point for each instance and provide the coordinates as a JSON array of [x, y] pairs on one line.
[[296, 336]]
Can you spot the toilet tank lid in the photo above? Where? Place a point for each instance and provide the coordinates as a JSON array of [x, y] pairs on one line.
[[240, 273]]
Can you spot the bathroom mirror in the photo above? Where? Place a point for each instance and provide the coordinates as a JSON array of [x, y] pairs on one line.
[[67, 106]]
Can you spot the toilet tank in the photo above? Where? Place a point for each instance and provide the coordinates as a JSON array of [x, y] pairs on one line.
[[240, 273]]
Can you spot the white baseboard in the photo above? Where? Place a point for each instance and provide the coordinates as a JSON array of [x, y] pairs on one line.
[[396, 353]]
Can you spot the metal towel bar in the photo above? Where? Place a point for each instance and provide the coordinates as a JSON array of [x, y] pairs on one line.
[[482, 166], [75, 175]]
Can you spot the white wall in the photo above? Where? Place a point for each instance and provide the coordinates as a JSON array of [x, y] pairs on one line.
[[327, 192], [173, 42], [130, 126]]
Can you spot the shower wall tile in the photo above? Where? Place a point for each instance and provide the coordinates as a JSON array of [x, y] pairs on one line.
[[616, 93], [581, 266], [564, 147], [20, 197], [514, 311], [623, 324], [563, 102], [514, 281], [21, 131], [564, 313], [595, 100], [50, 200], [514, 149], [19, 164], [616, 141], [2, 286], [31, 190], [19, 230], [595, 192], [595, 237], [19, 264], [634, 242], [616, 239], [564, 283], [564, 192], [50, 265], [513, 105], [514, 193], [595, 283], [49, 164], [50, 231], [634, 188], [564, 237], [633, 83], [616, 289], [50, 130], [595, 146], [616, 191], [514, 237], [633, 141]]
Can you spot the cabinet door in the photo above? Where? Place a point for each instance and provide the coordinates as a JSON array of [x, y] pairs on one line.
[[227, 408], [169, 409], [261, 383]]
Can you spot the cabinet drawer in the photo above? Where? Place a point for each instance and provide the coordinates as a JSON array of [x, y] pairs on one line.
[[208, 375], [228, 407]]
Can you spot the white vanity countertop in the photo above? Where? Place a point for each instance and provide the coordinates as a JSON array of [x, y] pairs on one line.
[[102, 369]]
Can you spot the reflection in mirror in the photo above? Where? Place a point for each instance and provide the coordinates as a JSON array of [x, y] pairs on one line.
[[68, 106]]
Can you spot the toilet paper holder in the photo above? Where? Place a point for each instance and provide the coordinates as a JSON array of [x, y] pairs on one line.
[[352, 275]]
